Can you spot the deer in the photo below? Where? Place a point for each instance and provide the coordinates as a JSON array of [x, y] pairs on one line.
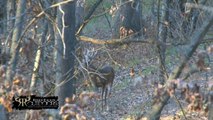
[[100, 77]]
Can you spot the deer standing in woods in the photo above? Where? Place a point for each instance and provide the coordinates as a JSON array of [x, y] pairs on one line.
[[99, 77]]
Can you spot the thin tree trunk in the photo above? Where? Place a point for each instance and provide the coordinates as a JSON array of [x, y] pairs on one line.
[[79, 13], [21, 5], [11, 8], [3, 17], [155, 112]]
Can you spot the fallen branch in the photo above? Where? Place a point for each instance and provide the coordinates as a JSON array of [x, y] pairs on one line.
[[115, 41]]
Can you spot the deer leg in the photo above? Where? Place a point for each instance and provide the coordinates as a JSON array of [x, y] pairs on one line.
[[102, 97], [110, 88], [106, 93]]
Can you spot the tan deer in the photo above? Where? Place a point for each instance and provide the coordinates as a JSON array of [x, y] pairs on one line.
[[100, 77]]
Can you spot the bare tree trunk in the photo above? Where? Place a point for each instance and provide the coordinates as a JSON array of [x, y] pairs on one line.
[[79, 13], [3, 17], [21, 5], [58, 49], [10, 21], [162, 36], [66, 61], [10, 14]]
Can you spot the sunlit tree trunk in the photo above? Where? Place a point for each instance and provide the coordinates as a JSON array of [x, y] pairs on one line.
[[37, 61]]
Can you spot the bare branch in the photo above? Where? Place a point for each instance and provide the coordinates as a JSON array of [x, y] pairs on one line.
[[61, 3], [196, 39], [198, 6]]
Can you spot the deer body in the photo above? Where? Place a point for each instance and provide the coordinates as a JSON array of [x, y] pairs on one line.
[[102, 78]]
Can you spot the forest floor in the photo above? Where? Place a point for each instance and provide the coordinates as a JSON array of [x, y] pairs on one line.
[[132, 98], [127, 102]]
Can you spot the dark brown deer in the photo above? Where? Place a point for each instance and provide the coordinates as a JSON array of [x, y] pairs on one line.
[[101, 78]]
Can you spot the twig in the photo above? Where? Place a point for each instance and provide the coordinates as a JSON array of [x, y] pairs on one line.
[[62, 31], [88, 17], [113, 59], [110, 26]]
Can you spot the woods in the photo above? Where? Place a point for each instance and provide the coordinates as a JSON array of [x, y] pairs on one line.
[[107, 59]]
